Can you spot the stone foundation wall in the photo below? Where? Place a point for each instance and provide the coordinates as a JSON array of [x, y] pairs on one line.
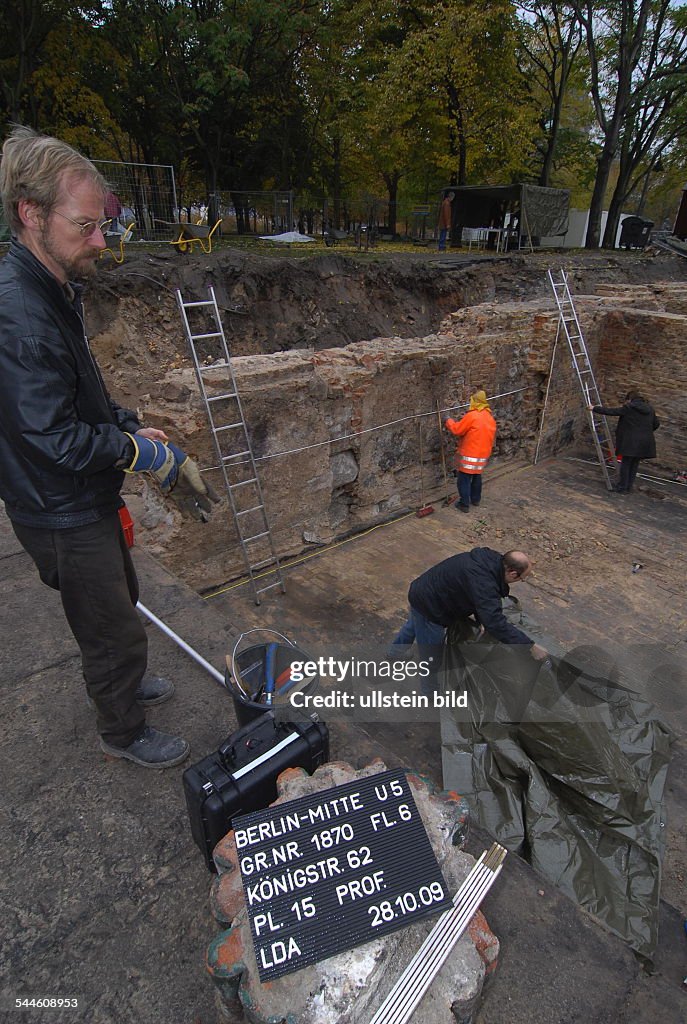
[[643, 346], [338, 433]]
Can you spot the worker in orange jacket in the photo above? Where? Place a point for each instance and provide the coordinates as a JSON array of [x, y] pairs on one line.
[[477, 431]]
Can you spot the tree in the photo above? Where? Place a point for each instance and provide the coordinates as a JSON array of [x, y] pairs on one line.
[[25, 27], [656, 116], [458, 65], [550, 39], [626, 41]]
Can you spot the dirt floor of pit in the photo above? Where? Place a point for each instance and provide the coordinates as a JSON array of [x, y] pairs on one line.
[[106, 897]]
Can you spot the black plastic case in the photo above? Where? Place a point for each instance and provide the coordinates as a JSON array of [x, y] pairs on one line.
[[242, 775]]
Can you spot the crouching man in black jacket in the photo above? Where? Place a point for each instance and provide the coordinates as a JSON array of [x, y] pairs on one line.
[[64, 444], [469, 585]]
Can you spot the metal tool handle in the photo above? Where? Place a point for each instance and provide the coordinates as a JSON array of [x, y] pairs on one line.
[[260, 629]]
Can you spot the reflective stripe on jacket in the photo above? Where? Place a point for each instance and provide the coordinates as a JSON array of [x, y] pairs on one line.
[[477, 431]]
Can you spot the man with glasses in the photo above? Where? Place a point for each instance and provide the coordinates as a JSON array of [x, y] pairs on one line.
[[64, 444]]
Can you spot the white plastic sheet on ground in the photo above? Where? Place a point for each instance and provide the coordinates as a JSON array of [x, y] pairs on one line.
[[287, 237]]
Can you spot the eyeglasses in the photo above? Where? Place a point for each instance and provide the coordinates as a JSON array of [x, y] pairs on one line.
[[89, 228]]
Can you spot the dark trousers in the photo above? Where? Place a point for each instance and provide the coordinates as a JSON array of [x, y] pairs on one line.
[[628, 471], [92, 569], [430, 638], [469, 488]]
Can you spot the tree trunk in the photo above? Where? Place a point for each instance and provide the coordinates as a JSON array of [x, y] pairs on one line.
[[614, 211], [391, 181], [336, 182], [615, 208], [603, 171], [547, 166]]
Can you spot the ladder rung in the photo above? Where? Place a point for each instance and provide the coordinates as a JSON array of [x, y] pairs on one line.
[[236, 455], [214, 366], [245, 511], [272, 560], [222, 398], [201, 337], [190, 305], [228, 426], [262, 590], [256, 536], [243, 483]]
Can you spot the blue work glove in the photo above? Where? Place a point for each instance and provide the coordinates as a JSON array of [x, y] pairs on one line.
[[156, 458], [192, 494]]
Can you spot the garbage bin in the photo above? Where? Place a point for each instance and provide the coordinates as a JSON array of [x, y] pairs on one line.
[[248, 671], [635, 233]]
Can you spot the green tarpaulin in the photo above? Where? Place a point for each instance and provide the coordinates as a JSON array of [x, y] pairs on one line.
[[567, 768]]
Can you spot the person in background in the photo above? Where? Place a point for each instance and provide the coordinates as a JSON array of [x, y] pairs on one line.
[[65, 445], [470, 585], [634, 436], [476, 432], [445, 219], [113, 209]]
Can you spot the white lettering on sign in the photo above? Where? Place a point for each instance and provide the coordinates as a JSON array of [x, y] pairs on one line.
[[333, 808], [278, 953], [384, 819], [268, 888], [261, 861], [262, 921], [271, 829], [394, 788], [357, 888], [323, 874]]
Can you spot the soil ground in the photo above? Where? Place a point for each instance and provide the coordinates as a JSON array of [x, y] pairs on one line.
[[318, 300], [106, 897]]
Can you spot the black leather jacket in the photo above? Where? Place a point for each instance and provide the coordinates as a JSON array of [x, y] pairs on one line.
[[471, 583], [60, 433]]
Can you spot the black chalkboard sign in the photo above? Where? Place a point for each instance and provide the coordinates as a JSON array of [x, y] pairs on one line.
[[335, 869]]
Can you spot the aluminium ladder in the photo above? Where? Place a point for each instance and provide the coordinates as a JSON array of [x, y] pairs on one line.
[[568, 321], [218, 389]]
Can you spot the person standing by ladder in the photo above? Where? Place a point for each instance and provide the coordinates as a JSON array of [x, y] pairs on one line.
[[477, 432], [634, 436]]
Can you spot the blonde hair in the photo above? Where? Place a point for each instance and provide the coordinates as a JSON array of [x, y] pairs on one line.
[[33, 167]]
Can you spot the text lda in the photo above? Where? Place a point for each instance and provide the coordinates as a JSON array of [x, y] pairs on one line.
[[278, 953]]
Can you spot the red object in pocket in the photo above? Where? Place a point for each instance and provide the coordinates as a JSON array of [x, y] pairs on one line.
[[127, 525]]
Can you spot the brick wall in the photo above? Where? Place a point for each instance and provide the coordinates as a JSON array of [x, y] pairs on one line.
[[338, 433]]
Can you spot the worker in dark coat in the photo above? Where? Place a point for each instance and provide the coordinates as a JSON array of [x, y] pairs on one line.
[[634, 436], [469, 585]]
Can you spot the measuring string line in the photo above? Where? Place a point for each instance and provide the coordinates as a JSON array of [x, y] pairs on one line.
[[359, 433], [430, 957]]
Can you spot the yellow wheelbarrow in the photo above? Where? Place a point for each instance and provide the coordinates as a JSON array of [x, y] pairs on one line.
[[116, 242], [189, 235]]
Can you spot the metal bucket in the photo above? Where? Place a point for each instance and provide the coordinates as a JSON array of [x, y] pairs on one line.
[[248, 672]]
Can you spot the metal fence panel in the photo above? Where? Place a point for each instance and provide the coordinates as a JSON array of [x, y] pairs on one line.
[[145, 194]]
